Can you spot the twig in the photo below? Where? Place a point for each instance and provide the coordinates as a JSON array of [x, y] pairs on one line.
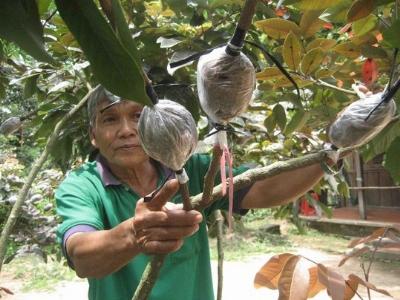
[[334, 87], [38, 164], [220, 223], [209, 178]]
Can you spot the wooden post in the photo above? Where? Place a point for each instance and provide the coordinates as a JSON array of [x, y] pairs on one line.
[[359, 183]]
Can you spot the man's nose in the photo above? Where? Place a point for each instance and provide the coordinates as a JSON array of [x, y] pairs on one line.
[[127, 128]]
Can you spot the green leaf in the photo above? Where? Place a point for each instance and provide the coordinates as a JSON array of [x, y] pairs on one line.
[[292, 51], [392, 162], [112, 65], [269, 73], [343, 189], [391, 35], [20, 23], [373, 52], [270, 123], [298, 120], [168, 42], [2, 91], [312, 61], [337, 13], [277, 28], [62, 151], [364, 25], [348, 49], [30, 86], [280, 116], [310, 23], [360, 9], [322, 43], [382, 141], [314, 5], [43, 6], [122, 29], [324, 73], [182, 94]]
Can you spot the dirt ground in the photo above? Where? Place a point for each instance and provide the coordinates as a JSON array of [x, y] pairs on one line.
[[238, 280]]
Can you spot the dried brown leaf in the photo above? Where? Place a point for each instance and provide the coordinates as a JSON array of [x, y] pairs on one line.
[[376, 234], [268, 276], [356, 251], [386, 243], [315, 285], [8, 291], [351, 288], [368, 285], [294, 280], [333, 281]]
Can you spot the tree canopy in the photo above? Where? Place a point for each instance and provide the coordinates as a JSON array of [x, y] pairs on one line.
[[52, 52]]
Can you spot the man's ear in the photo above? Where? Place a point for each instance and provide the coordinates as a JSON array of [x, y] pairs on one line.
[[92, 137]]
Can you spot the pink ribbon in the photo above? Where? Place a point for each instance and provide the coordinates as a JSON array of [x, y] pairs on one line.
[[226, 156]]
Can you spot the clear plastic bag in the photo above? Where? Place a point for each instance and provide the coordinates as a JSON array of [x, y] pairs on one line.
[[168, 133], [351, 127], [225, 84]]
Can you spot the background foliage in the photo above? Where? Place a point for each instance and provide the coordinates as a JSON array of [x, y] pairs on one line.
[[52, 52]]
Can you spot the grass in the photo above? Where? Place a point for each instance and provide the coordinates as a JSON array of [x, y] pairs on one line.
[[252, 240], [37, 275]]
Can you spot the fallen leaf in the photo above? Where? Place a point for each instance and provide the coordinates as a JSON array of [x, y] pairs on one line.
[[294, 280], [374, 235], [268, 276], [368, 285], [356, 251], [315, 286], [333, 281]]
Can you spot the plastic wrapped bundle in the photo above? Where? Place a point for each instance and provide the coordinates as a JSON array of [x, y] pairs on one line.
[[225, 84], [168, 133], [351, 128]]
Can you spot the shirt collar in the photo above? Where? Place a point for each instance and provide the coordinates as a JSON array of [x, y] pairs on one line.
[[108, 178]]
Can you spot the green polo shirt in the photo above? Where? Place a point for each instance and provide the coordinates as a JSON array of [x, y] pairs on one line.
[[83, 199]]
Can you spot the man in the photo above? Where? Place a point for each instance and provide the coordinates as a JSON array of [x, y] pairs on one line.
[[107, 230]]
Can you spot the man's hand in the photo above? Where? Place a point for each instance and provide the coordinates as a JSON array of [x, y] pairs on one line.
[[160, 226]]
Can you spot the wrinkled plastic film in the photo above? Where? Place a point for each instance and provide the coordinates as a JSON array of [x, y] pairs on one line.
[[225, 84], [351, 128], [168, 133]]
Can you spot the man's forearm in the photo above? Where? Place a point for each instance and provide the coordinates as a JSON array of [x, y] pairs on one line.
[[283, 188], [99, 253]]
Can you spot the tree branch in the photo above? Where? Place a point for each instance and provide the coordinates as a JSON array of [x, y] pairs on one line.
[[219, 219], [253, 175], [38, 164], [334, 87], [209, 178]]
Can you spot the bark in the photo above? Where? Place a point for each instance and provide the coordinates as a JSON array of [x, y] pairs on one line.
[[37, 165], [220, 235]]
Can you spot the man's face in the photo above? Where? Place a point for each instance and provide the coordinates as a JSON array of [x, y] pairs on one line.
[[114, 133]]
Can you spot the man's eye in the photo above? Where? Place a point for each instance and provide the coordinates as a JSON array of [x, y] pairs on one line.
[[136, 116], [109, 119]]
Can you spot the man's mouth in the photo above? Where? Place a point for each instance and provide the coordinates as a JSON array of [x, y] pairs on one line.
[[128, 146]]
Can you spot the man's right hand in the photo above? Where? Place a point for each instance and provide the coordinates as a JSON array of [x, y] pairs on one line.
[[160, 226]]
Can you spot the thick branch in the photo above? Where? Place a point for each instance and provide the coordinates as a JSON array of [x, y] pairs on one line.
[[209, 179], [254, 175], [149, 277], [38, 164]]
